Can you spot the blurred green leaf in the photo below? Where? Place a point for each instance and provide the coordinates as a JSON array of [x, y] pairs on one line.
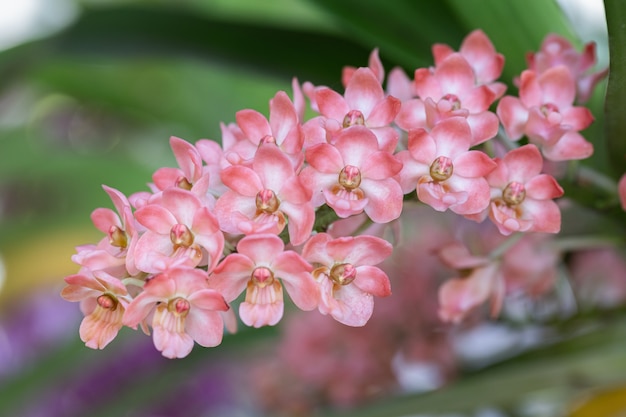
[[615, 104], [134, 31], [403, 30], [564, 370]]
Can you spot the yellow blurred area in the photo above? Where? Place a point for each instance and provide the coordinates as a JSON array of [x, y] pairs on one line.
[[43, 260], [602, 403]]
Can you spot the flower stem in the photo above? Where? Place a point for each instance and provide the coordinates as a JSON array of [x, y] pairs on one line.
[[586, 242], [587, 175], [506, 245]]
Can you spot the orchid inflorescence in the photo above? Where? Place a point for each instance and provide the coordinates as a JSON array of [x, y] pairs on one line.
[[300, 203]]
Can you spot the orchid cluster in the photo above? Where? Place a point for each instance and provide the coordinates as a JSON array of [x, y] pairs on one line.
[[313, 204]]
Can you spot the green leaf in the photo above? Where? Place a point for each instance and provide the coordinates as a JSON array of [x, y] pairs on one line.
[[404, 30], [615, 104], [561, 372], [139, 32]]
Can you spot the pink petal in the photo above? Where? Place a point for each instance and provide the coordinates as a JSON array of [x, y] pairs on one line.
[[384, 112], [523, 163], [354, 307], [356, 144], [325, 158], [273, 166], [455, 76], [331, 104], [314, 250], [359, 250], [259, 315], [440, 52], [426, 84], [187, 157], [231, 207], [301, 219], [577, 118], [481, 54], [182, 204], [478, 194], [166, 177], [412, 115], [156, 218], [242, 180], [484, 126], [558, 86], [478, 99], [543, 187], [283, 116], [372, 280], [207, 299], [472, 164], [205, 327], [571, 146], [364, 92], [458, 296], [530, 92], [380, 165], [172, 344], [385, 199], [98, 331], [457, 256], [119, 200], [253, 125], [546, 215], [452, 136], [422, 146], [231, 276], [513, 115], [104, 218]]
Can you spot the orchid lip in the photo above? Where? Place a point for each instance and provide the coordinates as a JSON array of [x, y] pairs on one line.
[[441, 169]]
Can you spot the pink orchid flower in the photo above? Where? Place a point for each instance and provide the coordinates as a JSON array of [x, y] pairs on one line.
[[262, 197], [449, 87], [283, 129], [481, 55], [180, 230], [189, 176], [374, 64], [364, 103], [353, 176], [115, 252], [346, 275], [522, 197], [445, 173], [183, 309], [545, 114], [261, 267], [480, 281], [556, 50], [103, 300]]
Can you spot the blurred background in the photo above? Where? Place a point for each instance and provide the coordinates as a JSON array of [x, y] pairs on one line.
[[91, 91]]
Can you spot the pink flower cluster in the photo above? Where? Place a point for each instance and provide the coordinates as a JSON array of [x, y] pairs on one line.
[[240, 221]]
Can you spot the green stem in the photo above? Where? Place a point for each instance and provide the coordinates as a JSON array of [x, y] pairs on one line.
[[133, 281], [586, 242], [505, 246], [587, 175]]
